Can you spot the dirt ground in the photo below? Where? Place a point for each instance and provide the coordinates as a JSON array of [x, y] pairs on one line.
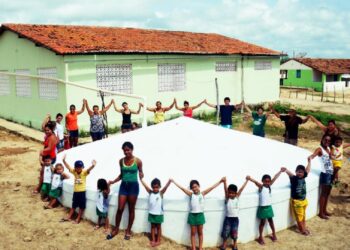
[[24, 224]]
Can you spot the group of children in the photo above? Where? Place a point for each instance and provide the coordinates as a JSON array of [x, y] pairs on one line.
[[54, 176]]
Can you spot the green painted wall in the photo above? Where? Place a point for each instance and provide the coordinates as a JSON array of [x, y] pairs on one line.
[[306, 80], [17, 53], [259, 85]]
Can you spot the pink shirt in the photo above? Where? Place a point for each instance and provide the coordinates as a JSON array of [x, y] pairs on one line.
[[188, 112]]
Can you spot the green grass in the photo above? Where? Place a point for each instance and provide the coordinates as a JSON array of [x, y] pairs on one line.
[[323, 117]]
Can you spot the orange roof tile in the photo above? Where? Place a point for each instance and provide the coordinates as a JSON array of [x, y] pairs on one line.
[[327, 66], [65, 39]]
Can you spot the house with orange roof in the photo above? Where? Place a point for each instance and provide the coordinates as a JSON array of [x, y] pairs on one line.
[[157, 64], [320, 74]]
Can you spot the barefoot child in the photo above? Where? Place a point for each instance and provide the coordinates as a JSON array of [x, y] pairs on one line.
[[326, 176], [56, 185], [265, 211], [196, 217], [102, 204], [155, 209], [231, 222], [47, 167], [298, 194], [337, 151], [79, 196]]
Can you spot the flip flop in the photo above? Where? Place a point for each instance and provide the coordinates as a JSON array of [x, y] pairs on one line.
[[260, 241], [64, 220], [273, 238], [127, 237], [109, 237]]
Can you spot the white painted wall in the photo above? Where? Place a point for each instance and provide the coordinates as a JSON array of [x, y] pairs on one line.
[[292, 64], [337, 86]]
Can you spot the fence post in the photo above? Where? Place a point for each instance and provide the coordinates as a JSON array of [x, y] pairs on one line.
[[343, 95], [306, 95], [334, 93]]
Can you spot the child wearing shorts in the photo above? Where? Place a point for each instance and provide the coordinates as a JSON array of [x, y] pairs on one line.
[[102, 204]]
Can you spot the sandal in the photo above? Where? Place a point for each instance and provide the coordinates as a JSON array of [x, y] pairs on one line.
[[127, 237], [260, 241], [273, 238], [109, 237], [64, 220]]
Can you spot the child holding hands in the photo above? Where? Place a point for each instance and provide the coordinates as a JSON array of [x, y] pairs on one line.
[[265, 211], [155, 209], [196, 217], [231, 222], [298, 194], [79, 195], [102, 204]]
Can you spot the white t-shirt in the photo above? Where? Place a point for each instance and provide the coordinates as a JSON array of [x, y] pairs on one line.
[[265, 197], [57, 181], [47, 174], [232, 207], [197, 203], [102, 203], [155, 203], [59, 131]]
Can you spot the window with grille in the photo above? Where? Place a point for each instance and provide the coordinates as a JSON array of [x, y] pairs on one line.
[[171, 77], [263, 65], [225, 66], [48, 89], [4, 84], [114, 77], [23, 86]]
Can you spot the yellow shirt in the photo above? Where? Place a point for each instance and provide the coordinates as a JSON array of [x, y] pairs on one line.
[[79, 180], [159, 117], [337, 156]]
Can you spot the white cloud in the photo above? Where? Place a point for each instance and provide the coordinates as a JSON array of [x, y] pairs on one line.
[[315, 27]]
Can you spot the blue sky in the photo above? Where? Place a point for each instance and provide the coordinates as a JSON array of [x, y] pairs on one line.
[[321, 28]]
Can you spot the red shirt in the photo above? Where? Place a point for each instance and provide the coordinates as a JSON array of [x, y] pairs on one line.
[[72, 121]]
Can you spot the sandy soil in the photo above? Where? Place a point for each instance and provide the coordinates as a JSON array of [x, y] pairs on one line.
[[24, 224]]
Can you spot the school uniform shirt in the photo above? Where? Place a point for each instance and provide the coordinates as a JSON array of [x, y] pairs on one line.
[[102, 202], [197, 203], [297, 188], [47, 174], [155, 204], [79, 180], [57, 181], [226, 114], [265, 197], [232, 207], [292, 125]]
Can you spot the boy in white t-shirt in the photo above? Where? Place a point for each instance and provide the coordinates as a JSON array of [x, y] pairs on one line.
[[231, 222]]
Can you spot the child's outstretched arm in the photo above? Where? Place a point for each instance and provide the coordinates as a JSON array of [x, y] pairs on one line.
[[289, 173], [41, 160], [65, 176], [225, 189], [276, 176], [66, 164], [308, 167], [186, 191], [346, 145], [165, 187], [148, 189], [243, 186], [93, 164], [258, 184], [205, 192]]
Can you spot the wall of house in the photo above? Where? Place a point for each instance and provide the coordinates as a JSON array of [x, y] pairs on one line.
[[306, 79], [259, 85], [18, 54]]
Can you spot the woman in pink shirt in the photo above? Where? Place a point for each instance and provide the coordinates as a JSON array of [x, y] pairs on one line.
[[186, 109]]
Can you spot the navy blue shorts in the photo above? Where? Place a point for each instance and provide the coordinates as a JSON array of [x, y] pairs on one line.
[[79, 200], [95, 136], [74, 133], [129, 188], [126, 126], [326, 179], [60, 145], [230, 228]]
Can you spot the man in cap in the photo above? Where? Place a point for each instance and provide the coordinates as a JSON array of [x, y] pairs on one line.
[[292, 122]]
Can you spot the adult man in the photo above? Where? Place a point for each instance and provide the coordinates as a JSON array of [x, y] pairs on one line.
[[292, 122]]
